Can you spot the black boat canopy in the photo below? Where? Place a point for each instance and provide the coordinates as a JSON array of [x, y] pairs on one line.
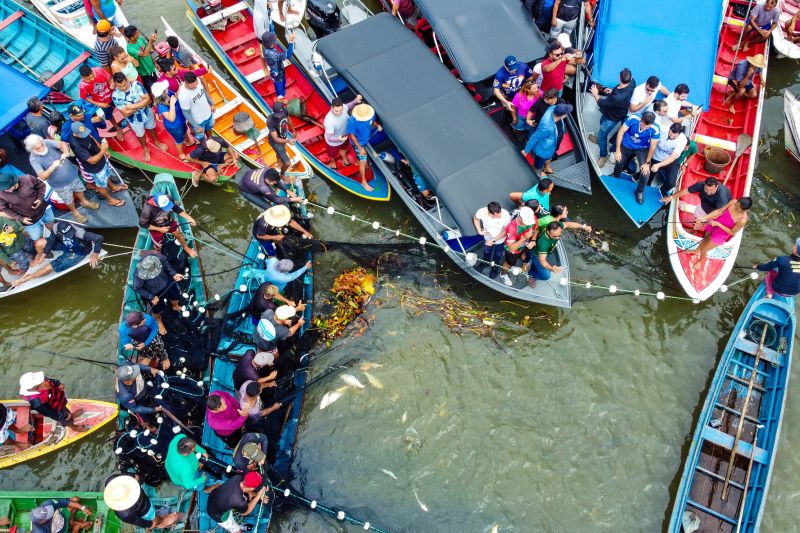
[[479, 34], [432, 119]]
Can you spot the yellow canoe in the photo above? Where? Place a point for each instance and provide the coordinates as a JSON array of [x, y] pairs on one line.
[[47, 435]]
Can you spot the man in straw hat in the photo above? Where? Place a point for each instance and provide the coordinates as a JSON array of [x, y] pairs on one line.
[[157, 282], [741, 80], [48, 517], [360, 129], [47, 396], [213, 155], [272, 225], [241, 493], [125, 497], [761, 23]]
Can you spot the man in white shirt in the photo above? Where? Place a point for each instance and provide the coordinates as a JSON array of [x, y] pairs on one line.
[[645, 94], [665, 158], [491, 222], [197, 106], [677, 102], [261, 19]]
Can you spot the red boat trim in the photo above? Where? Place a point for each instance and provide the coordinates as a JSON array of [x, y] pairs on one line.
[[5, 23], [61, 74]]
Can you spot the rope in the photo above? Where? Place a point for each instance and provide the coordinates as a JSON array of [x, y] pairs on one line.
[[472, 258], [205, 230]]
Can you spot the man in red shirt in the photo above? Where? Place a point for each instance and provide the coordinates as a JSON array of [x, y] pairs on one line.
[[520, 232], [554, 68], [95, 88]]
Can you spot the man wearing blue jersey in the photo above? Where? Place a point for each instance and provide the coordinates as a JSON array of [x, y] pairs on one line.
[[509, 79], [637, 138]]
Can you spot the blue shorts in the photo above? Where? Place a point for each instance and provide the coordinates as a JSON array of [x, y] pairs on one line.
[[97, 178], [200, 129], [178, 134], [150, 514], [36, 230], [65, 261], [359, 156], [149, 123]]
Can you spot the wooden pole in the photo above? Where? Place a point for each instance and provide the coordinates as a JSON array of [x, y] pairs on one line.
[[747, 481]]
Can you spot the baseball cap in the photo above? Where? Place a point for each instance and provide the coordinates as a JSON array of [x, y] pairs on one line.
[[510, 62], [252, 452], [79, 130], [103, 26], [252, 480], [526, 216], [269, 39], [263, 359], [75, 109], [562, 109]]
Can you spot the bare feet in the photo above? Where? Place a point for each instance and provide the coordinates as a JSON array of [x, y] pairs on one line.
[[120, 136], [732, 109], [195, 178], [146, 156], [90, 205], [161, 146], [116, 202], [79, 218], [116, 188], [367, 186]]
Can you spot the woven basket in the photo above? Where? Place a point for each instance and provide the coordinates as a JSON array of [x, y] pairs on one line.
[[716, 160]]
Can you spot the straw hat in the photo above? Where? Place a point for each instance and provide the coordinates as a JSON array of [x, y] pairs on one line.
[[757, 60], [28, 381], [122, 493], [363, 112], [277, 216]]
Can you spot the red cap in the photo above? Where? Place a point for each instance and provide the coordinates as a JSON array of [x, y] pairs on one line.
[[252, 480]]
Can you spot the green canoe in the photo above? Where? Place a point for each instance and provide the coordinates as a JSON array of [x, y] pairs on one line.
[[16, 506]]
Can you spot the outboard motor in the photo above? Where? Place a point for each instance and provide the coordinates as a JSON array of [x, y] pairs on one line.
[[323, 16]]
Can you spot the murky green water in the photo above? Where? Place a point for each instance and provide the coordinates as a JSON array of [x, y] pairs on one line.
[[579, 423]]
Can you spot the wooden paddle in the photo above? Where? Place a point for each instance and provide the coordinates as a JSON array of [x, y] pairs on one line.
[[743, 502], [743, 142], [743, 413]]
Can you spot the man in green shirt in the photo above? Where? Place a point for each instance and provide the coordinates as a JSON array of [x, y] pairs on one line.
[[540, 268], [141, 48], [560, 213], [182, 463]]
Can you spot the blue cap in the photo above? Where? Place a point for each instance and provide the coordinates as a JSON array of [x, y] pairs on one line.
[[562, 109], [511, 62], [79, 130], [797, 243]]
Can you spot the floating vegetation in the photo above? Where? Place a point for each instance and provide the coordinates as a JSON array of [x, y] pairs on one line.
[[352, 289]]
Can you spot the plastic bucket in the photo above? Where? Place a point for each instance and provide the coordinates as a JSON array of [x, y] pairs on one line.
[[716, 160]]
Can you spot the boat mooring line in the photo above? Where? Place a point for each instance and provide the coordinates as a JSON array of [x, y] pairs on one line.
[[472, 259]]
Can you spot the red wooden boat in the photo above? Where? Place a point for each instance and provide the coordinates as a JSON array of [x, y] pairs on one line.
[[716, 128], [229, 32]]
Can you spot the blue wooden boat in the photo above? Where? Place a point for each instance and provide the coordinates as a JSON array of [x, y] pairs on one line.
[[229, 33], [237, 330], [729, 466], [166, 495]]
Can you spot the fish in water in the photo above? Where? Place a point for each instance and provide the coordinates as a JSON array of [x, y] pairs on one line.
[[405, 417], [329, 398], [495, 528], [375, 382], [352, 381], [421, 505], [389, 473], [370, 366]]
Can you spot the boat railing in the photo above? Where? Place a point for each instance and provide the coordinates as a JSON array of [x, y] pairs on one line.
[[318, 67], [360, 5]]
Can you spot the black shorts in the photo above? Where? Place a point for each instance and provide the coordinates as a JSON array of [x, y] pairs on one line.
[[511, 259]]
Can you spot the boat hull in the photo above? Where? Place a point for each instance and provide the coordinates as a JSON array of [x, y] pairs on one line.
[[718, 128], [782, 45], [55, 436], [791, 125], [699, 498]]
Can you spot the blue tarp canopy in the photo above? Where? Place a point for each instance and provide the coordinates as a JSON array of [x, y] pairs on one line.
[[675, 40], [15, 89]]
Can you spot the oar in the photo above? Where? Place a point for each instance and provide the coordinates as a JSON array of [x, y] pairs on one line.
[[224, 98], [741, 35], [743, 142], [745, 405], [743, 502], [178, 422]]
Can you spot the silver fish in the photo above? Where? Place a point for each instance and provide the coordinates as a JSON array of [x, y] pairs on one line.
[[330, 397], [352, 381], [389, 473], [375, 382], [421, 505]]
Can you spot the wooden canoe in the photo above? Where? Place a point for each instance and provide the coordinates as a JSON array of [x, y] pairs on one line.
[[716, 127], [48, 435], [237, 48], [229, 102], [702, 502]]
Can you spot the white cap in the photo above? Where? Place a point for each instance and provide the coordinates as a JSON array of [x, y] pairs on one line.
[[28, 381], [526, 216]]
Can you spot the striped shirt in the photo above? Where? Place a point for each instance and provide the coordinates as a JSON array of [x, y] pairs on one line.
[[101, 49]]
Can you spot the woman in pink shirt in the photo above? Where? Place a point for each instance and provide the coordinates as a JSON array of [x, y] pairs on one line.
[[522, 103]]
